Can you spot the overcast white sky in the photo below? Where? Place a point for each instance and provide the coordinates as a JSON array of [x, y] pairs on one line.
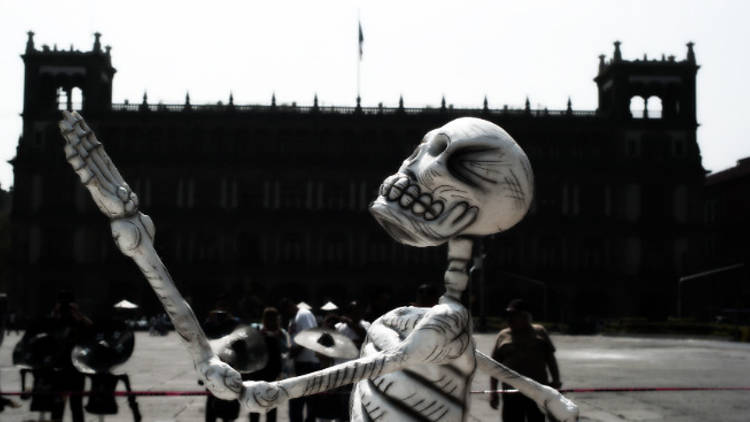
[[507, 50]]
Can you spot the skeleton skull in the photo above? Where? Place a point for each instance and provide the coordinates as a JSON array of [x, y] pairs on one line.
[[468, 177]]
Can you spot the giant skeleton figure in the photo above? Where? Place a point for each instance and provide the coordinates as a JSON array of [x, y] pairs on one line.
[[466, 179]]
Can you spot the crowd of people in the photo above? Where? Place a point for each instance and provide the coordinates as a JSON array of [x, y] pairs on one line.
[[285, 357], [523, 346], [59, 351]]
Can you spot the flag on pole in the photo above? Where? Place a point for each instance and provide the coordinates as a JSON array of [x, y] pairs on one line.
[[361, 40]]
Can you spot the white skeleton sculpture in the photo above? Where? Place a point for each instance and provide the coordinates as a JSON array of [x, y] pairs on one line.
[[466, 179]]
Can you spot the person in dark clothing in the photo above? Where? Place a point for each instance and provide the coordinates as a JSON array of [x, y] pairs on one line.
[[110, 344], [527, 349], [218, 324], [70, 326], [275, 344], [39, 353]]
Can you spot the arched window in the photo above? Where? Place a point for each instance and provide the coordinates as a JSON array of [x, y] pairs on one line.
[[637, 107], [62, 99], [653, 107], [69, 99], [76, 98]]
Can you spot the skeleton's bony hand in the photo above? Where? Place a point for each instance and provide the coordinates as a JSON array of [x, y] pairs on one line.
[[262, 396], [221, 379], [557, 406], [97, 172]]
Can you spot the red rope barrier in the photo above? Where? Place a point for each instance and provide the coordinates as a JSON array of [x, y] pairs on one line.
[[145, 393], [638, 389], [178, 393], [624, 389]]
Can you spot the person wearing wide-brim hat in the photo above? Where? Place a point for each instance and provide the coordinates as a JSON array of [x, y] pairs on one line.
[[526, 348]]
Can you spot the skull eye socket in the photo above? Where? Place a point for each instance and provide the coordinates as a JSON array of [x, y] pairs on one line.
[[438, 144], [476, 166]]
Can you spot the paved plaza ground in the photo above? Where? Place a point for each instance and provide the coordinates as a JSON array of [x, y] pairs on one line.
[[160, 363]]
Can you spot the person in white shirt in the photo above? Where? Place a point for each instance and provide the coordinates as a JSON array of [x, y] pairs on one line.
[[300, 319], [352, 325]]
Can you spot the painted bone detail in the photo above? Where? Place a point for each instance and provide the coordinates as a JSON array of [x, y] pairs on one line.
[[466, 179]]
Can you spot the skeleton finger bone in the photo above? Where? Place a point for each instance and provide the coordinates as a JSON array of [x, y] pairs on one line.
[[101, 165], [117, 177], [86, 156], [123, 193], [78, 119], [131, 206], [549, 400], [100, 177], [95, 149], [66, 124], [73, 158]]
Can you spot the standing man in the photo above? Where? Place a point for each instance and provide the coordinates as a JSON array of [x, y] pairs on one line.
[[300, 319], [527, 349], [276, 343], [71, 326]]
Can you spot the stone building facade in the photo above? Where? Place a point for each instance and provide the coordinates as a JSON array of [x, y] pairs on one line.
[[265, 201]]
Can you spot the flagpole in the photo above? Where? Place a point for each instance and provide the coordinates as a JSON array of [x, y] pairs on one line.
[[359, 65], [360, 40]]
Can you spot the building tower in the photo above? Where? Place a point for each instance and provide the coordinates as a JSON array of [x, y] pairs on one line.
[[54, 80], [53, 75], [630, 89]]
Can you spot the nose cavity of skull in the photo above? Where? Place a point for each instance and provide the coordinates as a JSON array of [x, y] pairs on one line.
[[414, 153], [438, 144]]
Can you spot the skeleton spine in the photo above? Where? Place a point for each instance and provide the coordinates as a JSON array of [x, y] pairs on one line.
[[457, 274]]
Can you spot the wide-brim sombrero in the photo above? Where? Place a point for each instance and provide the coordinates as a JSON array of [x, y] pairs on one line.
[[328, 343]]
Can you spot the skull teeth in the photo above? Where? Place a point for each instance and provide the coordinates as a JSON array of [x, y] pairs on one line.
[[436, 208], [409, 196], [394, 193], [401, 183]]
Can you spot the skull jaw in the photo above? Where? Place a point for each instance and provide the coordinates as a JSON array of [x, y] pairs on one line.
[[402, 227]]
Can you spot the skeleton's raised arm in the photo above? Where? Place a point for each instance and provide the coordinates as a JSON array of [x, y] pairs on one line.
[[134, 232]]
